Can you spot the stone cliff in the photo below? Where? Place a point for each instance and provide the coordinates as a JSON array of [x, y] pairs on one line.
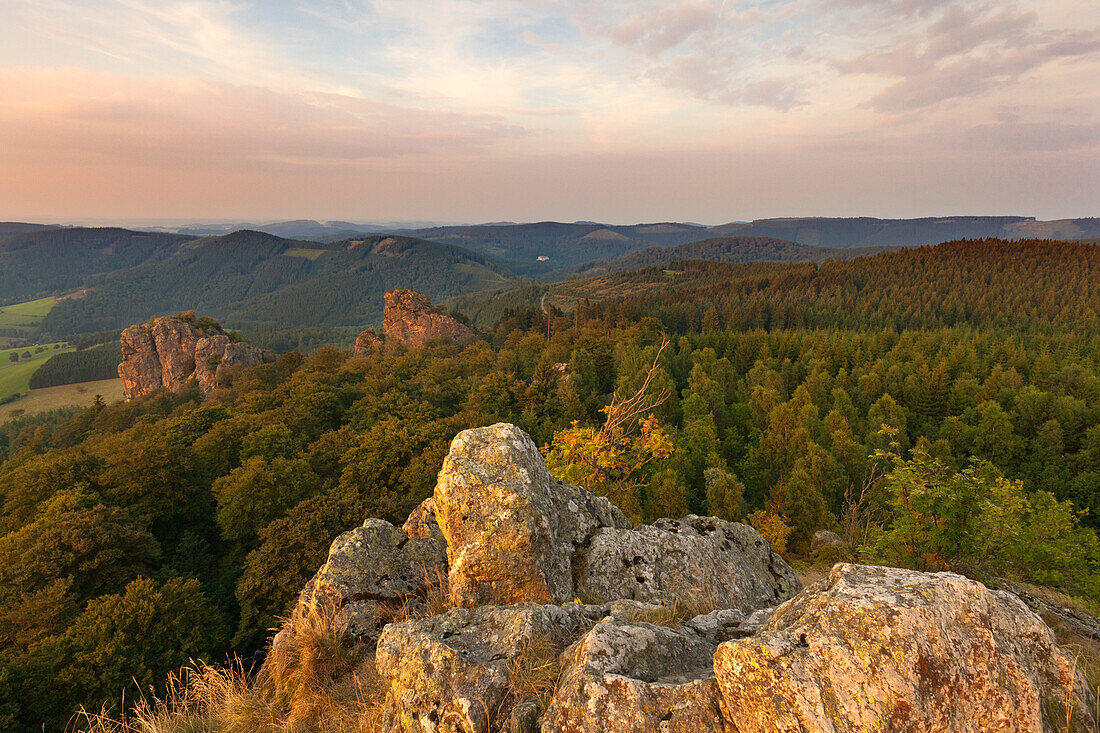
[[684, 625], [411, 319], [170, 351]]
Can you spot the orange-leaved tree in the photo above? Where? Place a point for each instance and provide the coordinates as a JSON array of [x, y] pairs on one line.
[[610, 460]]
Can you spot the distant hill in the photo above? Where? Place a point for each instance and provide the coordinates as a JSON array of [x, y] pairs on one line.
[[981, 283], [564, 245], [49, 260], [251, 276], [867, 231], [7, 228], [724, 249]]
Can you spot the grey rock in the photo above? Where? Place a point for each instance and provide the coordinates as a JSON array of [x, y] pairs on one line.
[[375, 572], [626, 677], [452, 672], [701, 561], [825, 538]]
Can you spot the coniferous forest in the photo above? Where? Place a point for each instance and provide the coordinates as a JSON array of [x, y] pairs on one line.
[[938, 408]]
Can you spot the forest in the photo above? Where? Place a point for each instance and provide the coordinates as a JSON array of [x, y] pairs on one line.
[[939, 408]]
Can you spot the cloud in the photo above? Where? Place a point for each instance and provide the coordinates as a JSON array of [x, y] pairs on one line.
[[962, 52], [61, 113]]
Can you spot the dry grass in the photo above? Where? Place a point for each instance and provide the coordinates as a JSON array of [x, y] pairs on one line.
[[536, 670], [81, 394], [1085, 652], [316, 679]]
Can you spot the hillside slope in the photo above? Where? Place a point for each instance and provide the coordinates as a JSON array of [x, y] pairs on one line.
[[43, 262], [252, 276], [520, 245], [724, 249], [868, 231]]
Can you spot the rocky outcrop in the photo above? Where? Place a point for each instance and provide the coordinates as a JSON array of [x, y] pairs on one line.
[[872, 648], [375, 572], [367, 342], [624, 677], [512, 529], [867, 648], [716, 563], [422, 523], [171, 351], [454, 671], [410, 318]]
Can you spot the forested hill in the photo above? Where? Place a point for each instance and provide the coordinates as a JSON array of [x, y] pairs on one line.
[[252, 276], [7, 228], [980, 283], [986, 284], [38, 263], [724, 249], [868, 231], [565, 245]]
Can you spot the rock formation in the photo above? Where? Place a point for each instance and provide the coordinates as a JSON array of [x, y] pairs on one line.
[[512, 529], [366, 342], [872, 648], [867, 648], [411, 319], [452, 672], [168, 352], [374, 572], [625, 677], [726, 562]]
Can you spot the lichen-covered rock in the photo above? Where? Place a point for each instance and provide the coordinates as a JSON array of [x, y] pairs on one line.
[[451, 673], [410, 318], [702, 560], [171, 351], [140, 367], [422, 522], [512, 529], [883, 649], [626, 677], [366, 342], [825, 538], [373, 572]]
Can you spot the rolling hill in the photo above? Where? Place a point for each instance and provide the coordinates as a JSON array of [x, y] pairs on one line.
[[251, 276], [723, 249], [48, 261], [564, 245], [872, 232]]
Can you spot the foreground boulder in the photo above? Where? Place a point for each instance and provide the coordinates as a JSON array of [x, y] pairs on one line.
[[624, 677], [375, 573], [872, 648], [695, 560], [512, 529], [171, 351], [454, 672], [411, 319]]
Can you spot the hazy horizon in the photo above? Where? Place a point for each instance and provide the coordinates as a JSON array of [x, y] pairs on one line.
[[532, 110]]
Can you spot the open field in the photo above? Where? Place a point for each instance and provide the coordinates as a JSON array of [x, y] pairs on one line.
[[16, 377], [47, 350], [29, 313], [67, 395]]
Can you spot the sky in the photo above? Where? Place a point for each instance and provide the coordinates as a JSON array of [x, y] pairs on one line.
[[525, 110]]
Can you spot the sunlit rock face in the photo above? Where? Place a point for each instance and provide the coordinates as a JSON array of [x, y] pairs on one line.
[[683, 626], [512, 529], [871, 648], [410, 319], [170, 351]]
